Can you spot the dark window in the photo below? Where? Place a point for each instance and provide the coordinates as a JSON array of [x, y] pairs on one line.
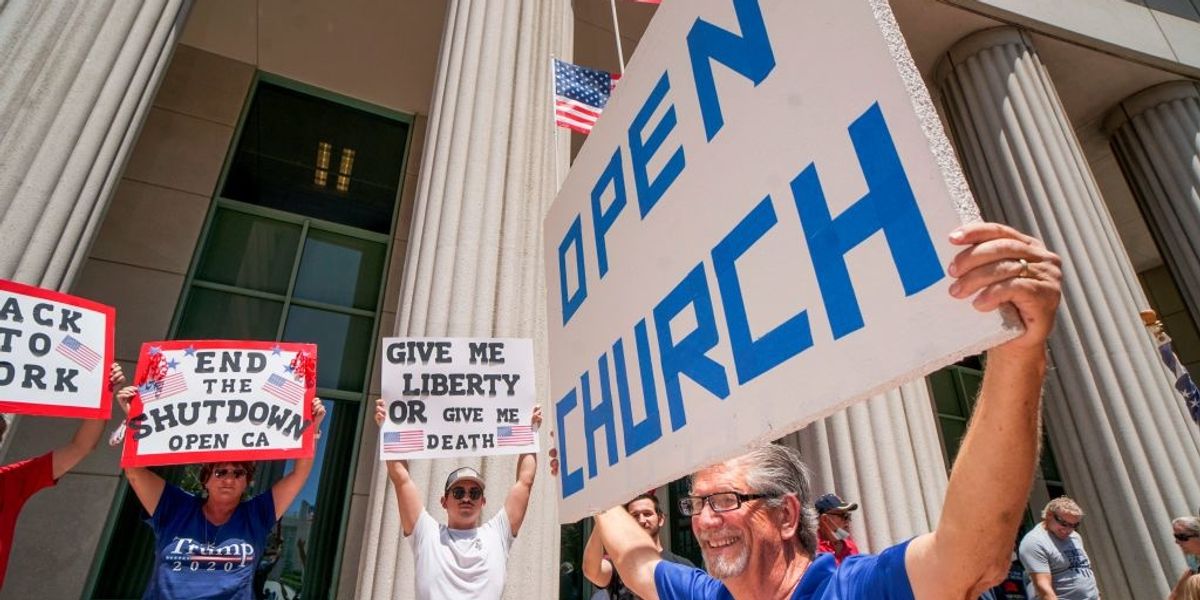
[[312, 157]]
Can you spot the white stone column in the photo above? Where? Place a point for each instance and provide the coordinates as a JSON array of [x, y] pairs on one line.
[[1128, 451], [75, 81], [885, 455], [1156, 137], [474, 266]]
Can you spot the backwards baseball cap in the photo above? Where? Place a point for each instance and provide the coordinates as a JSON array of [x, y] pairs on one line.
[[463, 474], [830, 502]]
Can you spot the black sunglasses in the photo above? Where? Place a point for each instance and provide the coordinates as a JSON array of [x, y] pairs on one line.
[[223, 472], [458, 493], [1069, 524], [1183, 537]]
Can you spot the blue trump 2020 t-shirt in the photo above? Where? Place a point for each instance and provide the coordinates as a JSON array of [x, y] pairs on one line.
[[196, 559], [865, 576]]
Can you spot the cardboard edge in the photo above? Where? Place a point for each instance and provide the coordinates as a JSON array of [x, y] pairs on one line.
[[922, 103]]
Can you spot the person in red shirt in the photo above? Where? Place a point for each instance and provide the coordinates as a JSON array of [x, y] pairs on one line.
[[833, 527], [20, 480]]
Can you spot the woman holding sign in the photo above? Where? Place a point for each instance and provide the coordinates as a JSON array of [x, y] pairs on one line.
[[207, 547]]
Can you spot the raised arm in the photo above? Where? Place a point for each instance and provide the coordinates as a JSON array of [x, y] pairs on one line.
[[408, 495], [146, 484], [284, 491], [969, 550], [596, 568], [631, 550], [517, 501], [88, 435]]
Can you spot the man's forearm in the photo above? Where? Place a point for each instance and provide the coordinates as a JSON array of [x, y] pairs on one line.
[[1046, 593], [633, 552], [1001, 445], [593, 562], [526, 468]]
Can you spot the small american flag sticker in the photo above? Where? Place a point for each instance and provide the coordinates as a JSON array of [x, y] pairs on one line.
[[284, 389], [78, 352], [164, 388], [514, 435], [411, 440]]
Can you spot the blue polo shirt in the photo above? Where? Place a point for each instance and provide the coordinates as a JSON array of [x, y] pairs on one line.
[[877, 577]]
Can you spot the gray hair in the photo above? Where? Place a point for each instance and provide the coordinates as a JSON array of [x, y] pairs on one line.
[[777, 470], [1191, 524]]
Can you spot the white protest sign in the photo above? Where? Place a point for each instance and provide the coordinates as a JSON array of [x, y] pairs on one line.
[[456, 397], [55, 352], [753, 237], [218, 401]]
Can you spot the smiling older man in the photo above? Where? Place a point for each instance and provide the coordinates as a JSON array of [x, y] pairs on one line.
[[751, 516]]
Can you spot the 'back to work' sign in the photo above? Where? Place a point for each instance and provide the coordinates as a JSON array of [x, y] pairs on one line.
[[753, 237], [55, 352]]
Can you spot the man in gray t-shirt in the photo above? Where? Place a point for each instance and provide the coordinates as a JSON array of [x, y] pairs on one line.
[[1052, 552]]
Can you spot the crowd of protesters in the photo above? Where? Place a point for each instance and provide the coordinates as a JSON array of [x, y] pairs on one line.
[[761, 532]]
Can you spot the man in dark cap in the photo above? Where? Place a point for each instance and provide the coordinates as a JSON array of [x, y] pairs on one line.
[[833, 527]]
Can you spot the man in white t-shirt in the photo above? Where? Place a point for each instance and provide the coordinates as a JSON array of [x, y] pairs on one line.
[[461, 559]]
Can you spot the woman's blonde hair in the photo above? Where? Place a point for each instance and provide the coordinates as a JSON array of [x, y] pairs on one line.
[[1189, 589]]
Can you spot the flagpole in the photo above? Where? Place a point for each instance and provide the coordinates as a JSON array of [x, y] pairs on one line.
[[554, 125], [617, 33]]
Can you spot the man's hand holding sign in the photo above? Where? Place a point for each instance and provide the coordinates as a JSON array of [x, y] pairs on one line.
[[808, 209], [456, 397]]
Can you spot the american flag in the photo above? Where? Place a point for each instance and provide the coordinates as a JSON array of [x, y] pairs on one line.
[[78, 352], [411, 440], [1183, 380], [580, 94], [284, 389], [514, 435], [163, 388]]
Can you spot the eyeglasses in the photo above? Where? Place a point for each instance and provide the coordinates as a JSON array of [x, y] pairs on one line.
[[719, 502], [1183, 537], [1066, 524], [841, 515], [223, 473], [459, 492]]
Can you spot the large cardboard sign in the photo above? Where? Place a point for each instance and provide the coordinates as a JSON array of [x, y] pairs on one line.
[[55, 351], [216, 401], [753, 237], [456, 397]]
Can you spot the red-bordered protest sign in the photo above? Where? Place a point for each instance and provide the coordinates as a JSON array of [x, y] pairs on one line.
[[55, 352], [218, 400]]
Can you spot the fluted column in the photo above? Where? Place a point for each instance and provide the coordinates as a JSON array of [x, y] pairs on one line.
[[474, 264], [1123, 439], [75, 81], [885, 455], [1156, 137]]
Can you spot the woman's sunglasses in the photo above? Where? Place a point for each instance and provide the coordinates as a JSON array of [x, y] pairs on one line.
[[223, 472]]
